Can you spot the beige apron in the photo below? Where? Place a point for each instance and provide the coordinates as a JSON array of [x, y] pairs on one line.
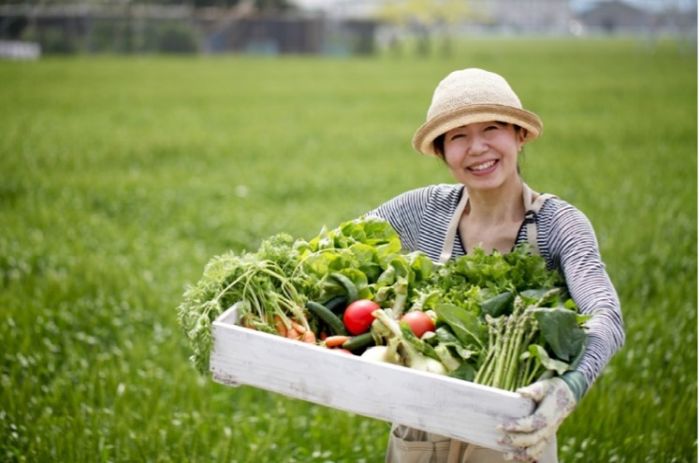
[[408, 445]]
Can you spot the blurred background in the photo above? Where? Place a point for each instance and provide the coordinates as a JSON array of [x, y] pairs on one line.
[[322, 27], [140, 139]]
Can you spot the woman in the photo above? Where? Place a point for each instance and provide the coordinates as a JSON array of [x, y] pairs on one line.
[[477, 125]]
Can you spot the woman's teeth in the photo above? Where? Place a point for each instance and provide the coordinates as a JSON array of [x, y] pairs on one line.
[[483, 165]]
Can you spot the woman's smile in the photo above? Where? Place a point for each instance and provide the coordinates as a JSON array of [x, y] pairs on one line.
[[483, 168]]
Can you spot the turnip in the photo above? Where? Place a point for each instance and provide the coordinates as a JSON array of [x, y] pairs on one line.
[[376, 354], [409, 355]]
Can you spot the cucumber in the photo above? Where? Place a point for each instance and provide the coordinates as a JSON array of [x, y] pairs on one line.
[[349, 286], [337, 304], [361, 341], [334, 323]]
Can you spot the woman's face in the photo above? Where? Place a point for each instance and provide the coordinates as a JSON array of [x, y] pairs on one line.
[[484, 155]]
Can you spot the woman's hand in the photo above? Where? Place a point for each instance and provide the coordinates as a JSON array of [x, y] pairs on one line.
[[530, 435]]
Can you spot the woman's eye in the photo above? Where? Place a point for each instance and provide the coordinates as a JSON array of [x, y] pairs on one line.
[[492, 127], [456, 136]]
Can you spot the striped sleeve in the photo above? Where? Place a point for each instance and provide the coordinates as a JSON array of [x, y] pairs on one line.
[[405, 213], [574, 249]]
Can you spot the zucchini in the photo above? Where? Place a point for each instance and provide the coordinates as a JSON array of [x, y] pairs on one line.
[[329, 318], [337, 304], [345, 282], [361, 341]]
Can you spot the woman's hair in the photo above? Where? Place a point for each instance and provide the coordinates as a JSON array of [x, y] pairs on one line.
[[439, 142], [439, 145]]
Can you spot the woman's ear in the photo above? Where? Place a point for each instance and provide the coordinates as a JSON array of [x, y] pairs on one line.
[[520, 137]]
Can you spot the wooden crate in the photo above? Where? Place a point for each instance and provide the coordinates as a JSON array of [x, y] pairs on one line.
[[393, 393]]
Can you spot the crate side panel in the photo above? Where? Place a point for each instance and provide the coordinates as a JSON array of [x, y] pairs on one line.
[[392, 393]]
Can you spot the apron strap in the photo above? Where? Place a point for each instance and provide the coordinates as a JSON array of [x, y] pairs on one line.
[[532, 208], [449, 242]]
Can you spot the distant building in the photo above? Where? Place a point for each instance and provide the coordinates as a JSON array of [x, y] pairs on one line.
[[109, 27], [263, 34], [548, 17], [338, 27], [616, 17], [137, 28], [676, 22], [298, 33], [528, 17], [19, 50], [506, 16]]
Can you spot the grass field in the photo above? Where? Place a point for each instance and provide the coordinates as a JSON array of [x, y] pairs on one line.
[[122, 177]]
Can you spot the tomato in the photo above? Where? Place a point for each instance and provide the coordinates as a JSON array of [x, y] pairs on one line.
[[420, 322], [357, 317]]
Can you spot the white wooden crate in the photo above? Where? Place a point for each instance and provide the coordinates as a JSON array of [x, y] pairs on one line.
[[439, 404]]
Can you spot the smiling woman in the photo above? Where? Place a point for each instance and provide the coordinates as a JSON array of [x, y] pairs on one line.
[[478, 126], [483, 155]]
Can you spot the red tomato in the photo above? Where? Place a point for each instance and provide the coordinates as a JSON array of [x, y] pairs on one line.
[[420, 322], [357, 317]]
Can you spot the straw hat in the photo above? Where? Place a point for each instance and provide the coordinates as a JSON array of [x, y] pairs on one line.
[[468, 96]]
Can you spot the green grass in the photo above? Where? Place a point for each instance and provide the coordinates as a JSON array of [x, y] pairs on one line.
[[122, 177]]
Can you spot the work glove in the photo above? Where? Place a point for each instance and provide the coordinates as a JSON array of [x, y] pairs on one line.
[[530, 435]]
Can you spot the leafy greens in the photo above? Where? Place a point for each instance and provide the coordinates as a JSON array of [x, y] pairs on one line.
[[503, 320]]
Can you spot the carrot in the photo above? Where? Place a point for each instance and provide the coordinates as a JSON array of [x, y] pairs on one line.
[[336, 341], [293, 334], [309, 337], [298, 327], [279, 326]]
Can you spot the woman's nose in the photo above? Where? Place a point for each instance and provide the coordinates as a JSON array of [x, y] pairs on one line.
[[477, 146]]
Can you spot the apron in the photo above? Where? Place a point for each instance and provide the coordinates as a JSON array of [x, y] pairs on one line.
[[531, 210], [408, 445]]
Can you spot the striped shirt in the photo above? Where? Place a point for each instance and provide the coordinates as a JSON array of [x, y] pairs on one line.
[[566, 241]]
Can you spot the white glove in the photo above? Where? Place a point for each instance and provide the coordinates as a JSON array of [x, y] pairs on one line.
[[530, 435]]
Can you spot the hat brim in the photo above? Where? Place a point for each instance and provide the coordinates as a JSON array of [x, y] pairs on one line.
[[428, 132]]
